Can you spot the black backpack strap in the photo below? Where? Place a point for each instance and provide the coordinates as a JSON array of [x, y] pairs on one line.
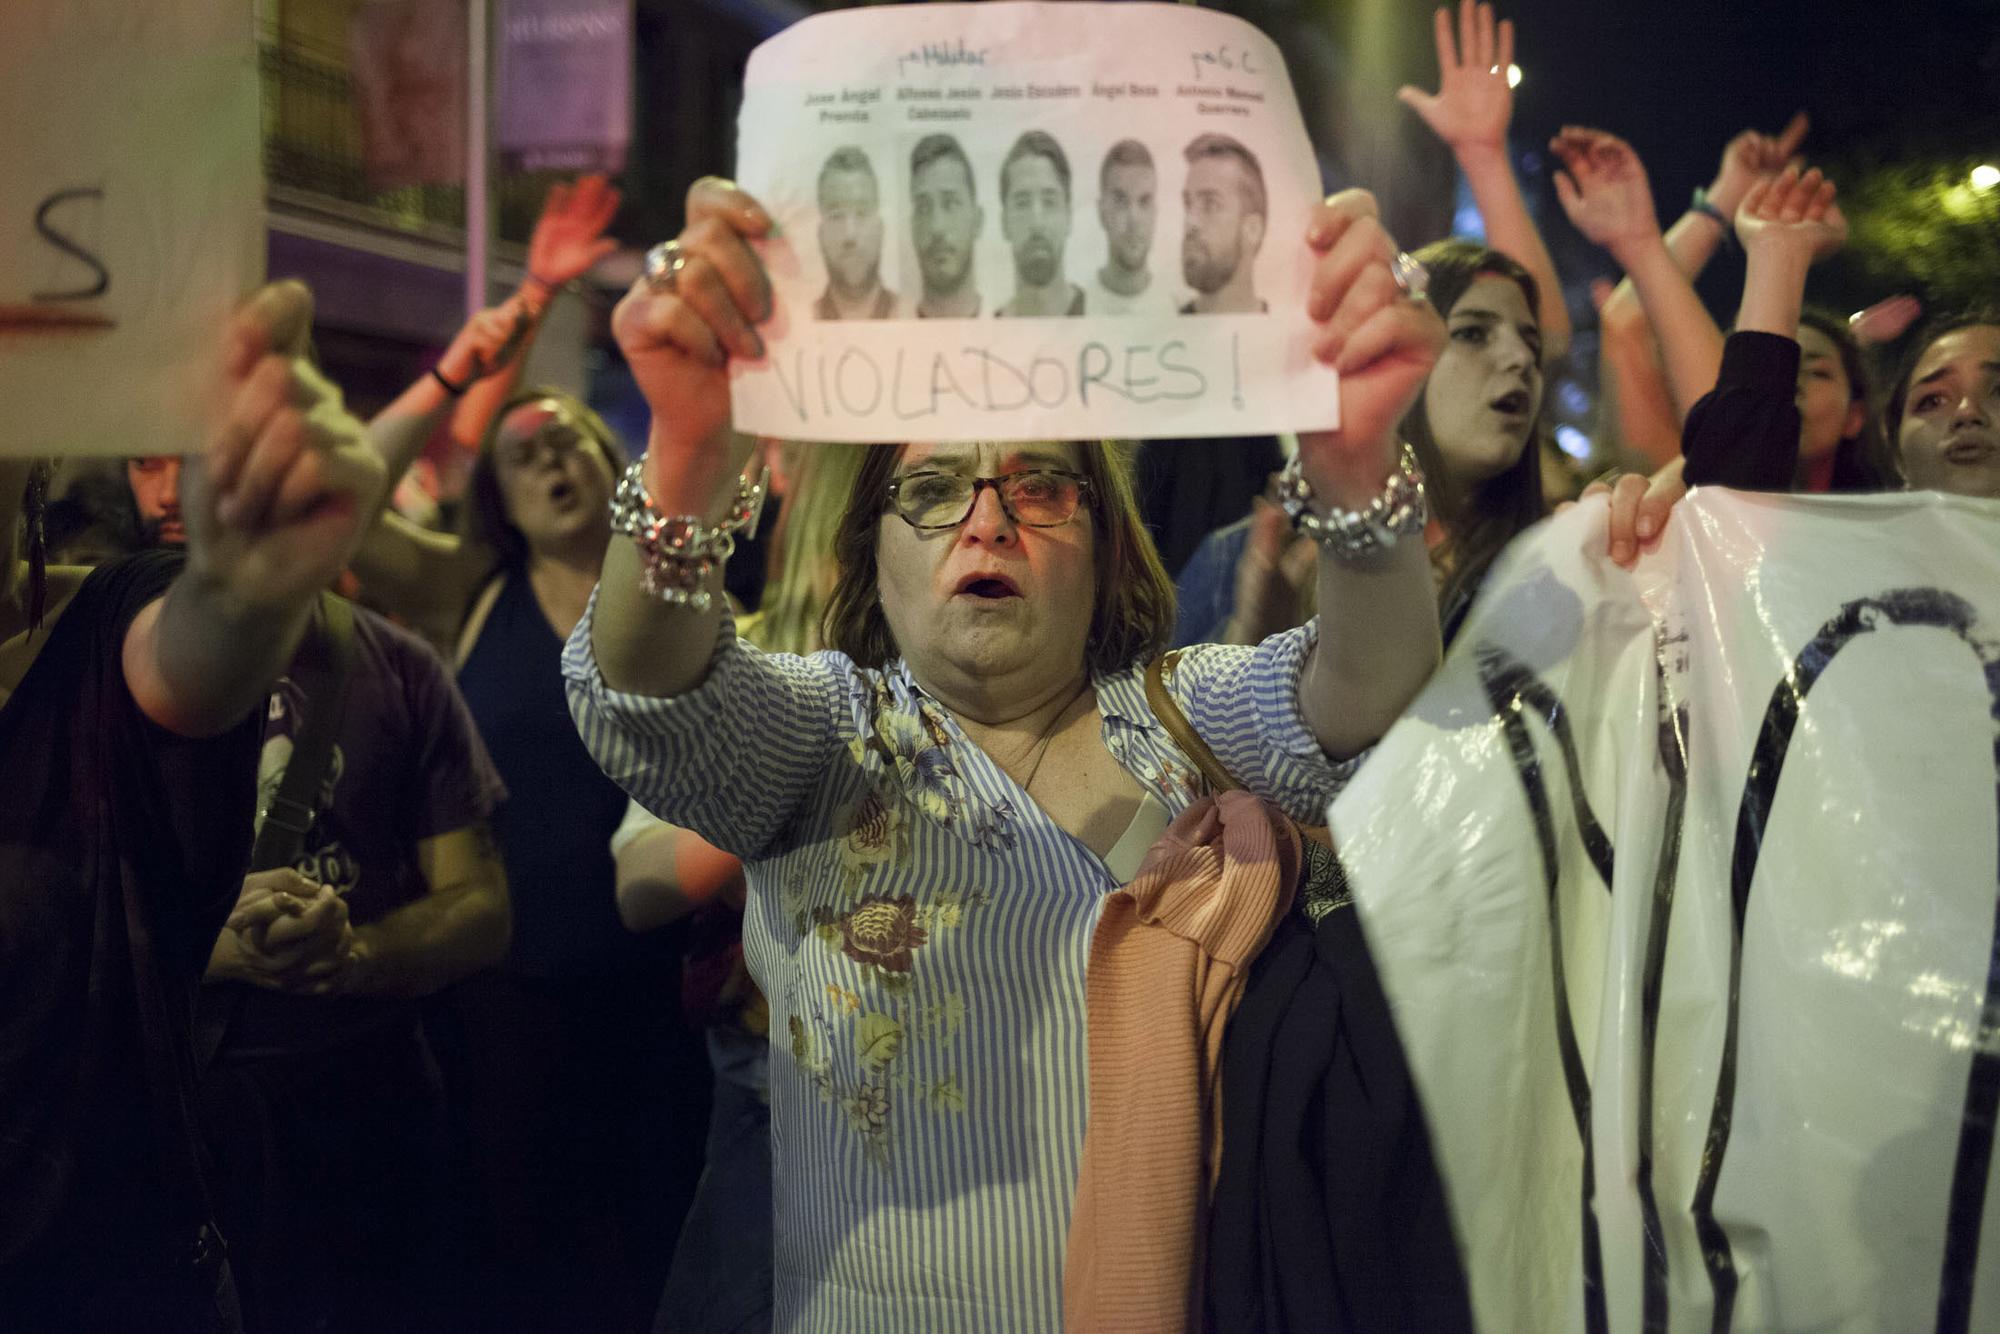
[[320, 670]]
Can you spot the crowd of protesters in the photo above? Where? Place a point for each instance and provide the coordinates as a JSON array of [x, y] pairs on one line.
[[470, 917]]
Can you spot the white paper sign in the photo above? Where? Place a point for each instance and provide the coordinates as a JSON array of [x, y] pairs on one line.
[[1030, 221], [1703, 860], [131, 218]]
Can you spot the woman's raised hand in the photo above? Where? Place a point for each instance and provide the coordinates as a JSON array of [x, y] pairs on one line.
[[569, 235], [1792, 212], [1382, 342], [487, 342], [1604, 189], [1474, 100], [1754, 156], [678, 335], [1885, 321]]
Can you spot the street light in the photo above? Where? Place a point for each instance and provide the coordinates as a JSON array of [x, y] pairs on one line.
[[1985, 176]]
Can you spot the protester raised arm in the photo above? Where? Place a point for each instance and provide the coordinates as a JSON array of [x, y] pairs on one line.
[[274, 510], [1379, 638], [427, 576], [566, 244], [1746, 431], [1786, 226], [1470, 111], [677, 335], [1629, 353], [1604, 191]]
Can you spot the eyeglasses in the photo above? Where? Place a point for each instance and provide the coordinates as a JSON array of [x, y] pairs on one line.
[[558, 437], [1040, 498]]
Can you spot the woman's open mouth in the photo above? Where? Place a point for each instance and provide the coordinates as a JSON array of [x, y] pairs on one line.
[[987, 587], [1514, 403]]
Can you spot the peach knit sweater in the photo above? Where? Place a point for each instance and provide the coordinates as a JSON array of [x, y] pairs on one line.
[[1168, 962]]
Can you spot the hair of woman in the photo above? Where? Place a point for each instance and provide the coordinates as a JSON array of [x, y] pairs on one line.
[[1481, 519], [1132, 618], [1862, 461], [486, 515], [803, 570], [1935, 328]]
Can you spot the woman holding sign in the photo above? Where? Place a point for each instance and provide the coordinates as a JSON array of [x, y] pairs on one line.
[[933, 813]]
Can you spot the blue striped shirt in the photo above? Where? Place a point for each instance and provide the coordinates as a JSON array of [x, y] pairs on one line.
[[921, 928]]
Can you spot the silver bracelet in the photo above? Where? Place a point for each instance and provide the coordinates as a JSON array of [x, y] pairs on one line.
[[1359, 535], [679, 552]]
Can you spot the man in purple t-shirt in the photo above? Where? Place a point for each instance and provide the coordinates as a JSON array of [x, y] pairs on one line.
[[322, 1102]]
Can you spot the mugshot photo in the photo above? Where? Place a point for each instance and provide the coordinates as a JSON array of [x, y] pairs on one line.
[[850, 238]]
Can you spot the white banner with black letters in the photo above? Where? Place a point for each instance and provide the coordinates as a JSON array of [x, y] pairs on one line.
[[1682, 884]]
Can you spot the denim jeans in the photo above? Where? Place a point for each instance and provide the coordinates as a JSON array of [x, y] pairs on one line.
[[720, 1282]]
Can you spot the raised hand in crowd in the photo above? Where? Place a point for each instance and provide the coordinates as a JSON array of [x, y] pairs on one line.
[[487, 345], [1604, 190], [1885, 321], [1750, 157], [274, 509], [285, 934], [568, 241], [1474, 101], [483, 363], [677, 337], [569, 238], [428, 577], [1785, 225], [1645, 417], [1470, 112]]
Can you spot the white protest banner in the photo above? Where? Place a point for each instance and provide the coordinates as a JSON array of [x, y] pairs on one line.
[[1030, 221], [131, 219], [1682, 885]]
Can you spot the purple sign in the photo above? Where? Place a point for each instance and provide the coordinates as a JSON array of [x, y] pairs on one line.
[[565, 84]]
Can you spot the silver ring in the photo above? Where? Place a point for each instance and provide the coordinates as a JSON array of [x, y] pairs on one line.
[[663, 266], [1410, 275]]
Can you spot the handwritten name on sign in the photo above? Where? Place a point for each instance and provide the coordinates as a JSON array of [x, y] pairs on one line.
[[978, 238]]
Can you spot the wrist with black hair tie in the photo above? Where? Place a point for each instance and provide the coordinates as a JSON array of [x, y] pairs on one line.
[[455, 390]]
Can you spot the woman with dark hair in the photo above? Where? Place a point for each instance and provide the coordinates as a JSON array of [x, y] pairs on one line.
[[1476, 433], [1477, 428], [1943, 416], [934, 813], [586, 1094], [1841, 445]]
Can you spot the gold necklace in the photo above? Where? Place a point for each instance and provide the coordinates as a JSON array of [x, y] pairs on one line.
[[1049, 735]]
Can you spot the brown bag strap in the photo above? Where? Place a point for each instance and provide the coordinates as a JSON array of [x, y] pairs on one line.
[[1169, 713]]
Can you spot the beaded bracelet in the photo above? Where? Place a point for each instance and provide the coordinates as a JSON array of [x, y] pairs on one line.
[[679, 552], [1400, 511]]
